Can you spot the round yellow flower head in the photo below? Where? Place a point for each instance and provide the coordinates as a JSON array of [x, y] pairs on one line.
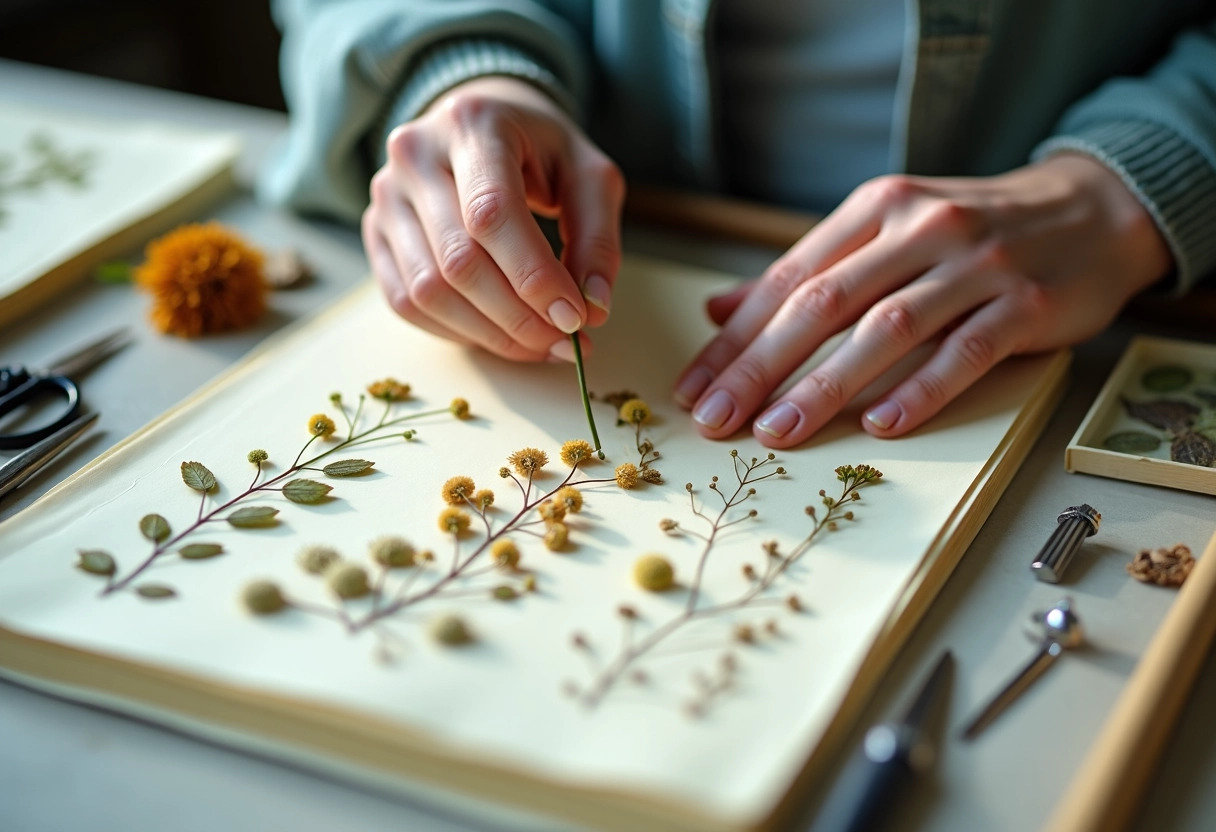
[[347, 580], [576, 451], [627, 475], [551, 512], [483, 498], [453, 520], [258, 456], [504, 472], [450, 630], [528, 461], [459, 408], [392, 551], [321, 425], [654, 572], [635, 412], [389, 390], [570, 498], [556, 536], [203, 279], [263, 597], [504, 552], [458, 489], [316, 559]]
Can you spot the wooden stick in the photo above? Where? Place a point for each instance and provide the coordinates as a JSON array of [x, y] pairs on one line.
[[750, 222], [1106, 792]]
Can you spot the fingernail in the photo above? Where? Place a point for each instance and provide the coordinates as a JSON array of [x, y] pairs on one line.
[[597, 291], [885, 415], [564, 316], [780, 420], [693, 385], [562, 350], [714, 411]]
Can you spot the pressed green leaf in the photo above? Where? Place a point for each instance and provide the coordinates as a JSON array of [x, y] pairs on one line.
[[154, 527], [196, 475], [1167, 379], [114, 271], [156, 591], [306, 491], [347, 467], [1132, 442], [198, 551], [96, 562], [504, 593], [253, 517], [1166, 414]]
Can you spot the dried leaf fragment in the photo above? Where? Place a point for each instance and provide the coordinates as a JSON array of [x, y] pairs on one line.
[[1167, 379], [96, 562], [253, 517], [154, 527], [347, 467], [1132, 442], [156, 592], [308, 492], [1166, 414], [197, 476], [1193, 449], [201, 551], [1162, 566]]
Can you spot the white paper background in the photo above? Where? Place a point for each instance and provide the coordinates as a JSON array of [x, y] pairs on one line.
[[501, 700]]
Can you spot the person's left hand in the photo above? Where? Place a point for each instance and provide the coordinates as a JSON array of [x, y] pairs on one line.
[[1038, 258]]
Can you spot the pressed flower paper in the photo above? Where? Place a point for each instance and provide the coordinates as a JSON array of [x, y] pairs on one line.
[[501, 703]]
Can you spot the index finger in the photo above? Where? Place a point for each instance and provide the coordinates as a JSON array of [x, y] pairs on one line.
[[491, 190]]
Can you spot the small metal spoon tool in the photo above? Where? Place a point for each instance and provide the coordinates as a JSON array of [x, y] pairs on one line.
[[1061, 630]]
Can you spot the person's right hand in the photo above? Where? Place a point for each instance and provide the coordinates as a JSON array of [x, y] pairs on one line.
[[450, 232]]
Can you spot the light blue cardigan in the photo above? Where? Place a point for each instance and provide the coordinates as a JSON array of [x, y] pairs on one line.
[[988, 86]]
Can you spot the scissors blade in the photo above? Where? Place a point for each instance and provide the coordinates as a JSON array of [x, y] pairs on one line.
[[91, 354], [24, 465]]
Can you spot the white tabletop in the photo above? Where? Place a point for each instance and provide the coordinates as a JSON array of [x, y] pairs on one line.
[[64, 766]]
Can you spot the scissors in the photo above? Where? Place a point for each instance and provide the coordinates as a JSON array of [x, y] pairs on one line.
[[21, 387]]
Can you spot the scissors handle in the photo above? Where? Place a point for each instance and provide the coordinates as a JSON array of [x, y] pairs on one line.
[[18, 386]]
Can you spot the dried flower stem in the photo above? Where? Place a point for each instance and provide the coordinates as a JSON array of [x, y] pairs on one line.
[[582, 388]]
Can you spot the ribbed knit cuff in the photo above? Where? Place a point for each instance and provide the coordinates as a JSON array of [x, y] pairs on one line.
[[450, 63], [1173, 180]]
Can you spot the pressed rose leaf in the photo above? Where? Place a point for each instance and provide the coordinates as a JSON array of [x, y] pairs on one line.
[[1193, 449], [253, 517], [1167, 379], [96, 562], [1166, 414], [155, 591], [306, 491], [154, 527], [198, 551], [196, 475], [347, 467], [1132, 442]]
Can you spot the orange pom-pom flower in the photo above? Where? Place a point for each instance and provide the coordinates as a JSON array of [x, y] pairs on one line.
[[203, 279]]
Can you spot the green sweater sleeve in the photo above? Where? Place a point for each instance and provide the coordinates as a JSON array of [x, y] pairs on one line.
[[1158, 133], [352, 70]]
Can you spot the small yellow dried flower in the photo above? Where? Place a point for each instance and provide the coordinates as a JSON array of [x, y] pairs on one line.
[[321, 425], [654, 572], [389, 390], [258, 456], [459, 408], [263, 597], [571, 498], [392, 551], [483, 498], [556, 537], [627, 475], [453, 520], [635, 412], [504, 472], [347, 580], [505, 553], [451, 630], [652, 476], [576, 451], [457, 489], [551, 512], [316, 559], [528, 461]]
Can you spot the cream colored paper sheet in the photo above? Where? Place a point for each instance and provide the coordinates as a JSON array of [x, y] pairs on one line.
[[498, 706], [69, 185]]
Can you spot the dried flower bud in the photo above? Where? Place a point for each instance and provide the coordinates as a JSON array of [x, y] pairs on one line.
[[556, 537], [453, 520], [745, 634], [316, 559], [551, 512], [335, 398], [570, 498], [635, 412], [530, 583], [457, 489], [654, 572], [389, 390], [483, 498], [780, 470], [347, 580], [833, 526], [258, 456], [503, 472], [734, 452], [626, 611], [794, 603], [770, 548], [426, 556], [770, 626], [527, 462], [504, 553], [688, 486], [392, 551], [450, 630], [749, 572], [579, 641], [652, 475], [459, 408], [408, 435], [576, 451], [848, 515], [626, 475], [752, 513], [668, 525], [263, 597], [321, 425], [771, 456]]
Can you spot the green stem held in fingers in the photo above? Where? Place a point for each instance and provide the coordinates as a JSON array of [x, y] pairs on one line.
[[582, 387]]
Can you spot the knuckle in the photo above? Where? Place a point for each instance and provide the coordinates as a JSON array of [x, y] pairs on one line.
[[609, 177], [485, 210], [829, 389], [891, 189], [381, 188], [426, 287], [405, 144], [722, 350], [753, 374], [894, 320], [950, 218], [818, 300], [930, 389], [996, 255], [976, 351], [467, 110], [783, 279], [603, 250], [457, 255], [531, 284]]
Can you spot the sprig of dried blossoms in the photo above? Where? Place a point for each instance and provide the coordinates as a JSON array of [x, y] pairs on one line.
[[295, 489], [486, 560], [655, 573]]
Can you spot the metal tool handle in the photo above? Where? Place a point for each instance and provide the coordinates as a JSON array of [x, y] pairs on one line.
[[24, 388], [1045, 658]]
